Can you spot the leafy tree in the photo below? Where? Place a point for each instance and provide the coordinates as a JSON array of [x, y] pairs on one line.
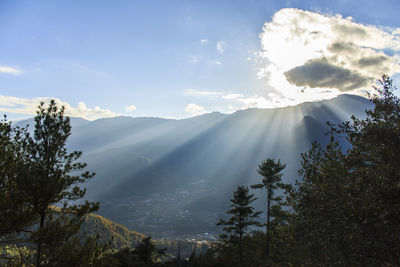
[[48, 179], [270, 170], [243, 216]]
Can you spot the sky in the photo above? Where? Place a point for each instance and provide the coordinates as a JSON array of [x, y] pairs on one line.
[[178, 59]]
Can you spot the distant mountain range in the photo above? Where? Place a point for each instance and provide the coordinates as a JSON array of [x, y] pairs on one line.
[[169, 178]]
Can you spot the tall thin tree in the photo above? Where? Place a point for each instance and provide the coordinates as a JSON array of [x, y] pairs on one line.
[[270, 170]]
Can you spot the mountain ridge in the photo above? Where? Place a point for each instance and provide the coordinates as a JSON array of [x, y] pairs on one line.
[[169, 178]]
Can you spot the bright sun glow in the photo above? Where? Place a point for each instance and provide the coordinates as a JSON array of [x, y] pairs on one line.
[[311, 56]]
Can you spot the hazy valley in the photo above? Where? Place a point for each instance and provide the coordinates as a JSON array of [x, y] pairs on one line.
[[174, 178]]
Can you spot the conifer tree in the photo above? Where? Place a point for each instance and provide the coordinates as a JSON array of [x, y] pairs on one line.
[[270, 170], [49, 181], [15, 213], [243, 216], [321, 206], [146, 253], [346, 208], [373, 167]]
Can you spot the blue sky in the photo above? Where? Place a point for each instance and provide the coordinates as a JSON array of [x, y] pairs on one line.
[[178, 59]]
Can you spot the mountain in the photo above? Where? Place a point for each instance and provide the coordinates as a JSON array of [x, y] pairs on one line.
[[121, 237], [109, 231], [169, 178]]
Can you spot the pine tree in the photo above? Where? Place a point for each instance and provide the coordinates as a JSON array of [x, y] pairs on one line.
[[146, 253], [49, 181], [373, 164], [270, 170], [321, 206], [346, 208], [243, 216], [15, 214]]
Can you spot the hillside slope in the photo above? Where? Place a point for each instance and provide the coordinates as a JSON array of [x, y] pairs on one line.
[[122, 237], [119, 235]]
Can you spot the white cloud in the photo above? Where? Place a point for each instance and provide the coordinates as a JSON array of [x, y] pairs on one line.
[[216, 62], [130, 108], [195, 110], [191, 92], [255, 102], [10, 70], [9, 104], [232, 96], [221, 46], [203, 41], [310, 56], [240, 101]]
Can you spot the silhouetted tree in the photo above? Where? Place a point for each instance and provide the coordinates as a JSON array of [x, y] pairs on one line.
[[319, 202], [270, 170], [147, 253], [243, 216], [347, 208]]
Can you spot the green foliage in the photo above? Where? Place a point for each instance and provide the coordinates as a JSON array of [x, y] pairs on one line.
[[144, 254], [345, 211], [243, 216], [270, 170], [242, 213], [84, 251], [319, 203], [347, 208], [51, 177], [15, 212], [38, 181], [110, 232], [14, 255]]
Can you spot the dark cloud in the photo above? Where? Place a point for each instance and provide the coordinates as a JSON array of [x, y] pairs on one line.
[[342, 47], [372, 61], [321, 73], [354, 30]]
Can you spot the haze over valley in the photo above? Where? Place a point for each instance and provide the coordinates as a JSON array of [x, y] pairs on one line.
[[173, 178]]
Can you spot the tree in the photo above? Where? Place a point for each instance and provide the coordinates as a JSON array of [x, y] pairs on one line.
[[270, 170], [320, 204], [243, 216], [373, 168], [146, 252], [49, 180], [347, 208], [15, 215]]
